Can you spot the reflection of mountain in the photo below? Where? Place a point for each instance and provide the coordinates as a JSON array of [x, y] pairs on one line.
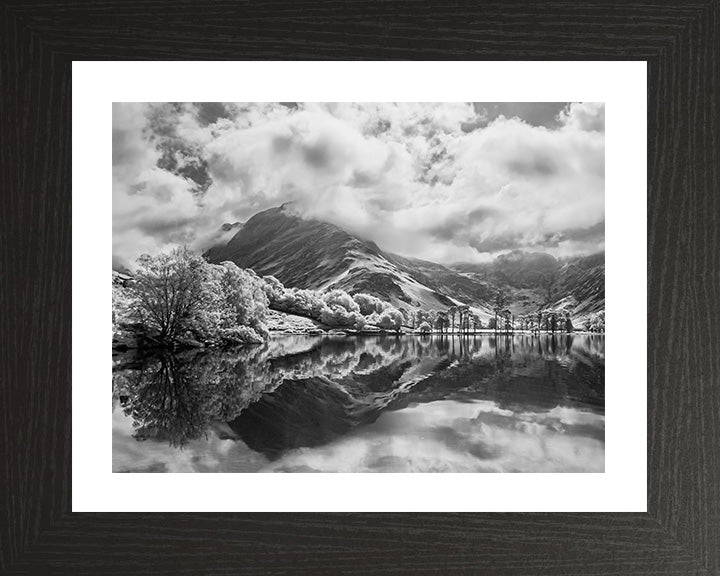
[[521, 373], [308, 253], [301, 391]]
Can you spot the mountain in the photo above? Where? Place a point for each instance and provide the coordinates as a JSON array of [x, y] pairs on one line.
[[537, 280], [308, 253]]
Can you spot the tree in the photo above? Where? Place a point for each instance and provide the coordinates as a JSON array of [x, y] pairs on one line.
[[597, 322], [499, 301], [390, 319], [424, 328], [302, 302], [338, 317], [178, 296], [451, 314], [441, 321], [244, 295], [274, 289], [171, 292], [368, 304], [340, 298], [464, 317], [477, 323], [507, 320]]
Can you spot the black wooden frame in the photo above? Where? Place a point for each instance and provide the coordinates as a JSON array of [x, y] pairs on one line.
[[680, 534]]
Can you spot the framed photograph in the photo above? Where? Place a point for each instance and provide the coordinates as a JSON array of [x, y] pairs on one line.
[[362, 314]]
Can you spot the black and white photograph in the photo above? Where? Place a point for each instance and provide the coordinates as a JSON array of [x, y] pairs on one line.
[[358, 287]]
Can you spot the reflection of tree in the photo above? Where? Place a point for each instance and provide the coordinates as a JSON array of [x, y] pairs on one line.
[[336, 383], [176, 398]]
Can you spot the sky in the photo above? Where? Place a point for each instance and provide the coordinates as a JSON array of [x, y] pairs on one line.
[[446, 182]]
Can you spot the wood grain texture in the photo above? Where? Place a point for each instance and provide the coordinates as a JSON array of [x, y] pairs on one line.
[[681, 532]]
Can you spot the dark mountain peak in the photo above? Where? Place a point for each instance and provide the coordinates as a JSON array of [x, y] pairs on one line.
[[526, 258], [305, 252], [302, 252], [230, 226]]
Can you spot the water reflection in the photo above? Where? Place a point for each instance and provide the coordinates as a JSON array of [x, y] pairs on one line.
[[522, 403]]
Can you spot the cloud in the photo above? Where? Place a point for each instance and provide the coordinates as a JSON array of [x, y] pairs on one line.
[[584, 116], [534, 113], [411, 177]]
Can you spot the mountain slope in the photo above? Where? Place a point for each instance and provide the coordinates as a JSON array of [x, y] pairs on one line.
[[317, 255], [307, 253], [536, 280]]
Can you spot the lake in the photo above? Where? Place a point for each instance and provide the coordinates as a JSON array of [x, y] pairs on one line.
[[484, 403]]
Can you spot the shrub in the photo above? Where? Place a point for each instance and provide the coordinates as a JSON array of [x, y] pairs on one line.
[[369, 304], [340, 298], [338, 317], [301, 302], [241, 335]]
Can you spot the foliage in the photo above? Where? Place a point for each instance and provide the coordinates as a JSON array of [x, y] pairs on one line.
[[390, 319], [442, 321], [178, 294], [274, 289], [424, 328], [369, 304], [243, 300], [338, 317], [340, 298], [176, 398], [170, 293], [302, 302], [123, 305], [242, 335], [595, 322]]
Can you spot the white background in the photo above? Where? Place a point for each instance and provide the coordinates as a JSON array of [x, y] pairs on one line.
[[621, 85]]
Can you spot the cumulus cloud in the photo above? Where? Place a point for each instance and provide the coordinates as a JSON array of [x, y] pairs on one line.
[[412, 177], [584, 116]]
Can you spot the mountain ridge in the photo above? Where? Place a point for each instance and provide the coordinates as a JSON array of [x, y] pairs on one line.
[[311, 254]]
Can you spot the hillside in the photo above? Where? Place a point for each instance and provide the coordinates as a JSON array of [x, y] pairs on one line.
[[536, 280], [317, 255]]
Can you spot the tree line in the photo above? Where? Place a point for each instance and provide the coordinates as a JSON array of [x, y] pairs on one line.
[[179, 296]]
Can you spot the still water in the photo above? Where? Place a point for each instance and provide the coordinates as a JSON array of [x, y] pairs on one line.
[[366, 404]]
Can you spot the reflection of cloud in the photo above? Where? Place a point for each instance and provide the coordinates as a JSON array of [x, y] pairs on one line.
[[480, 438], [206, 455]]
